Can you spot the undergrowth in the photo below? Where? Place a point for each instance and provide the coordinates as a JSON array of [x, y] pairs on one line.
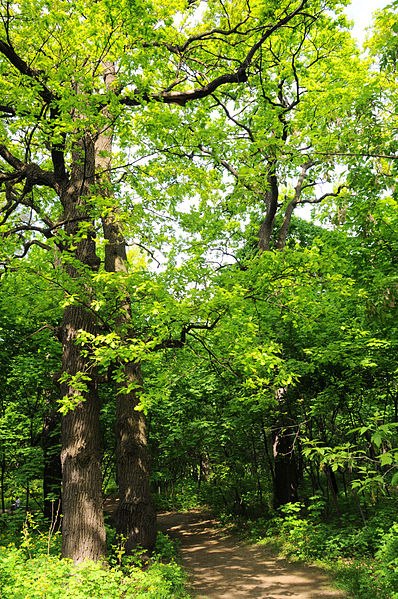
[[363, 558], [31, 567], [183, 496]]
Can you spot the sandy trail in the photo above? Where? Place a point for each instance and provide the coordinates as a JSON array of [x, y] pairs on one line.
[[221, 567]]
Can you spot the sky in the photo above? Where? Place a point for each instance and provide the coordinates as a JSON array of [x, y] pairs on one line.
[[360, 11]]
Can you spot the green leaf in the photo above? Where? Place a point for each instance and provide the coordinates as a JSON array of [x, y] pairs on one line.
[[386, 459]]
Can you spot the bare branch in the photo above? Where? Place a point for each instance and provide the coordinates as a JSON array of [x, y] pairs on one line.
[[8, 51], [292, 204], [31, 172], [10, 158], [234, 120], [224, 163], [143, 247], [28, 245], [8, 111], [181, 48]]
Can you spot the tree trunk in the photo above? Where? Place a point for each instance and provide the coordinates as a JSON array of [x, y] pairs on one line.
[[83, 530], [52, 471], [204, 468], [283, 231], [285, 482], [331, 480], [135, 516], [271, 207]]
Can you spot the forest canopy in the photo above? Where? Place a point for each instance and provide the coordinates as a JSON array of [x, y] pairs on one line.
[[198, 281]]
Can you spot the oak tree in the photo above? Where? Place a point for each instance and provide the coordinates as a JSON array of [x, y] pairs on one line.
[[72, 76]]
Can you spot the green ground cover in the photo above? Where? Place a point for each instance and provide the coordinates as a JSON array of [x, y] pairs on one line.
[[31, 567]]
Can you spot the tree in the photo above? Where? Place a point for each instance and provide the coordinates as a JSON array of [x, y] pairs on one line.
[[56, 112], [263, 153], [313, 121], [30, 431]]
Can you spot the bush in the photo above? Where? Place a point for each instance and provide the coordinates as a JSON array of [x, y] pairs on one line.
[[184, 496], [387, 555], [30, 567], [364, 559]]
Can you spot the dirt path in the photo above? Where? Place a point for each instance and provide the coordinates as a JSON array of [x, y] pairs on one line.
[[221, 567]]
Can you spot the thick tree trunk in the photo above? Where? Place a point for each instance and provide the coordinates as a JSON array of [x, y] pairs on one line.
[[271, 205], [83, 530], [135, 517]]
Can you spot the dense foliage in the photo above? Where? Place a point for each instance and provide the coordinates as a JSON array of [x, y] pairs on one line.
[[198, 300], [30, 566]]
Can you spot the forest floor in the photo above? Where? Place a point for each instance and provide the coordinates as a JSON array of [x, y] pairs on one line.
[[221, 566]]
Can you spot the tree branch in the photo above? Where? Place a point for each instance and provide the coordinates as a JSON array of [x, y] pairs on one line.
[[8, 111], [8, 51], [169, 343], [239, 76], [31, 172], [45, 326], [28, 245], [12, 160], [292, 205], [234, 120], [325, 195]]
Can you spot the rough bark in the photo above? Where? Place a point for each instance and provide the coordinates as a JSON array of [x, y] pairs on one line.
[[135, 516], [283, 231], [83, 530], [271, 207]]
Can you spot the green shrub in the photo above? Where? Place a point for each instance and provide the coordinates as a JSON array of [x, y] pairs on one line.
[[184, 496], [166, 548], [56, 578], [364, 558], [387, 556], [30, 568]]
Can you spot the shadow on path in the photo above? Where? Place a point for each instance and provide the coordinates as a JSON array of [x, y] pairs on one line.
[[221, 567]]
